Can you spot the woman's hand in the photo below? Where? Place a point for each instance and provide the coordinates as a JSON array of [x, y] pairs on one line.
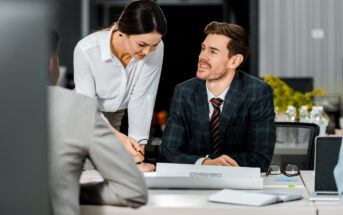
[[131, 145], [146, 167]]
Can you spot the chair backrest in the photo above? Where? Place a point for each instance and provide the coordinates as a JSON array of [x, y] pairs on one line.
[[299, 133]]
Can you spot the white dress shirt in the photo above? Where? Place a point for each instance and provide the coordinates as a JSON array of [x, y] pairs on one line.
[[98, 73], [209, 97]]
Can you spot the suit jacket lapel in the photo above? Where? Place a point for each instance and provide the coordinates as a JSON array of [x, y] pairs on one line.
[[231, 104], [203, 111]]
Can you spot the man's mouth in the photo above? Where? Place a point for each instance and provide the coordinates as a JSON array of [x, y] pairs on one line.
[[203, 65]]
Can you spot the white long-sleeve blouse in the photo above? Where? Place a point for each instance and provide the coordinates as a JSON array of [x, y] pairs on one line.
[[98, 73]]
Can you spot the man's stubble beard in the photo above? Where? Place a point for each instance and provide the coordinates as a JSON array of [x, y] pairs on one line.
[[213, 77]]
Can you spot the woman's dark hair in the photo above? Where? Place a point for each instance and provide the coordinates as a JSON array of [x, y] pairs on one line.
[[141, 17]]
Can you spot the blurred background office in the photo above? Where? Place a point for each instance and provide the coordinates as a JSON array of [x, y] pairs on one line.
[[298, 41]]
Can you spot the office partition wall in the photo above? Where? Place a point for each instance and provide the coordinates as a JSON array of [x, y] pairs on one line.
[[303, 38]]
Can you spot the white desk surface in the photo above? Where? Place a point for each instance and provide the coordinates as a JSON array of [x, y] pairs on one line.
[[182, 202], [324, 207]]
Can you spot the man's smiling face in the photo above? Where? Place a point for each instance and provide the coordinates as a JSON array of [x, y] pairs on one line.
[[214, 58]]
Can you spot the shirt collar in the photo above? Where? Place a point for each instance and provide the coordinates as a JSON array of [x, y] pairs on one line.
[[211, 96], [106, 52]]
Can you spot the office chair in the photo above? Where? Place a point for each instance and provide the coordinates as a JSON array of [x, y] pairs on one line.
[[299, 132]]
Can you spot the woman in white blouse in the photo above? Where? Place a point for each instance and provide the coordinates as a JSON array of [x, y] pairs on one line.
[[121, 67]]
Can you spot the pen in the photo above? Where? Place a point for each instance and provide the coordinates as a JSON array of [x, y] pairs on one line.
[[142, 161]]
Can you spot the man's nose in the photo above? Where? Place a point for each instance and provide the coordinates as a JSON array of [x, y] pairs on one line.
[[203, 56]]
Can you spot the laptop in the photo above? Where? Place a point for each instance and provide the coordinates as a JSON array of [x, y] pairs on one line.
[[325, 160]]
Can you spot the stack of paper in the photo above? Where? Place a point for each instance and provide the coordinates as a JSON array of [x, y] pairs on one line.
[[191, 176]]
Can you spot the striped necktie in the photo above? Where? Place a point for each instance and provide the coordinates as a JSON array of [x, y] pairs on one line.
[[214, 123]]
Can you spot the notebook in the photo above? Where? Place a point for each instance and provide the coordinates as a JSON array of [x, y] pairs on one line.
[[326, 158], [252, 198]]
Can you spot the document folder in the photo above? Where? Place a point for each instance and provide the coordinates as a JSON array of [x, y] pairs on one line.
[[188, 176]]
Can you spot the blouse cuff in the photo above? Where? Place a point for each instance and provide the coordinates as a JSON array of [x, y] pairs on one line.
[[140, 139]]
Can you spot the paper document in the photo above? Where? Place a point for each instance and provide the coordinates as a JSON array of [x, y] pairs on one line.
[[170, 169], [189, 176], [90, 176], [252, 198]]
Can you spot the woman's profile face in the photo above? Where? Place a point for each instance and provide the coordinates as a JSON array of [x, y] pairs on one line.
[[141, 45]]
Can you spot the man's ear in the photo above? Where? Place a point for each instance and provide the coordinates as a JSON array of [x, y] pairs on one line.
[[235, 61]]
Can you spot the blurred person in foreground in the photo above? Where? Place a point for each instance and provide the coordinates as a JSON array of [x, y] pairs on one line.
[[77, 132], [223, 116]]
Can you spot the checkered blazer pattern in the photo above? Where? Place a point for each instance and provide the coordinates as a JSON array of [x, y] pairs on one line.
[[246, 130]]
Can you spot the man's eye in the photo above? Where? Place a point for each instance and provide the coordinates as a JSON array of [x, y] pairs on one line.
[[141, 45], [213, 52]]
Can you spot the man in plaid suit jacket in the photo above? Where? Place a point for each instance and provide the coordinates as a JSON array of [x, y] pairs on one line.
[[245, 134]]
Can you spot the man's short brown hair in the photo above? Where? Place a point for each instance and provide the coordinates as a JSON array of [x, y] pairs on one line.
[[239, 43]]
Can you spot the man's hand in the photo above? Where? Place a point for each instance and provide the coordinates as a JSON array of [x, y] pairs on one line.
[[223, 160]]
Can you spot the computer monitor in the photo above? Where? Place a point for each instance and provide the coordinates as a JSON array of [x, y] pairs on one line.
[[326, 157], [301, 84]]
